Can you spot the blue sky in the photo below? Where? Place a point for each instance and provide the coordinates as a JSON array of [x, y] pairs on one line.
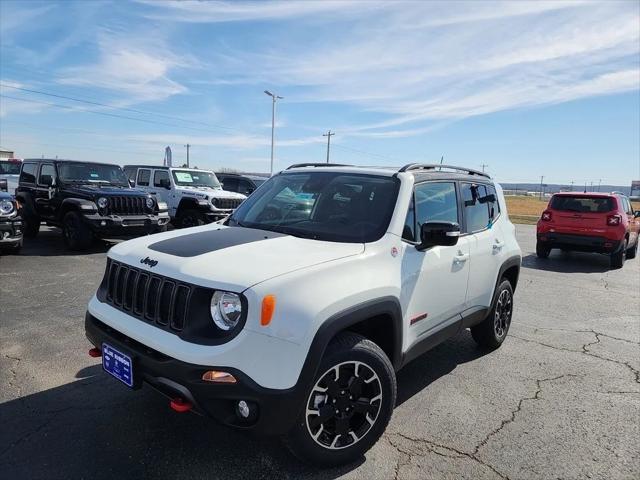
[[541, 88]]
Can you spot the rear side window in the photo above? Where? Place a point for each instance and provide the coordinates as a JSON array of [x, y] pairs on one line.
[[582, 204], [143, 177], [230, 184], [476, 207], [28, 173]]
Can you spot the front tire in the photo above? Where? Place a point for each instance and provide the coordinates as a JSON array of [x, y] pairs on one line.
[[493, 329], [77, 235], [30, 225], [349, 405], [191, 218], [633, 251]]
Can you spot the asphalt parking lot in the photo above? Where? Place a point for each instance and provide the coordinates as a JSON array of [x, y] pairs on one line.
[[560, 399]]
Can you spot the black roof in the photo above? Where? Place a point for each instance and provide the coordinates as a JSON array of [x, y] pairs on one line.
[[62, 160]]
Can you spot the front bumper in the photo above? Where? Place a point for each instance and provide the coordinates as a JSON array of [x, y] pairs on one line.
[[275, 410], [117, 226], [10, 231], [581, 243]]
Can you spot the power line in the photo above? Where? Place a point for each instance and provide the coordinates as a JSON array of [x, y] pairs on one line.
[[106, 105], [107, 114]]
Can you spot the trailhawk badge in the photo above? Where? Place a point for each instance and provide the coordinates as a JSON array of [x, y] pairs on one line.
[[148, 261]]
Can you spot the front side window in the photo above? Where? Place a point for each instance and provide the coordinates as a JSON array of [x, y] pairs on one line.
[[193, 178], [158, 176], [91, 173], [245, 187], [476, 209], [409, 229], [230, 184], [28, 173], [435, 202], [329, 206], [144, 176], [47, 174]]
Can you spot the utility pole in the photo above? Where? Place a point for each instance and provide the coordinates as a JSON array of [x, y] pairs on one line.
[[572, 185], [274, 98], [188, 146], [328, 135], [599, 182], [483, 165], [541, 179]]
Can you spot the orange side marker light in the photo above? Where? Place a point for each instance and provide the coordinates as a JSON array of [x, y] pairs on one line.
[[268, 307]]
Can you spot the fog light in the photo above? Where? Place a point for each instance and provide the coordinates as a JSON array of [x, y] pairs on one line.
[[243, 409], [218, 377], [103, 223]]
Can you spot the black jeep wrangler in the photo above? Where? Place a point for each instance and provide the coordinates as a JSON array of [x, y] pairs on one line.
[[86, 200]]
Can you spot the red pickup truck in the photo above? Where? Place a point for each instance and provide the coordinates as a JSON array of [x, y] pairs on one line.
[[589, 222]]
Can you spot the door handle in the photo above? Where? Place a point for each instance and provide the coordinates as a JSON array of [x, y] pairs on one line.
[[460, 258]]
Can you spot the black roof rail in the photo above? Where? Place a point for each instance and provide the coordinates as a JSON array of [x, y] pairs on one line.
[[433, 166], [301, 165]]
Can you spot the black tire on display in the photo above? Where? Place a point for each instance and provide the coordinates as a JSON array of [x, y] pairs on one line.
[[77, 235], [633, 251], [191, 218], [542, 250], [618, 258], [493, 329], [349, 406]]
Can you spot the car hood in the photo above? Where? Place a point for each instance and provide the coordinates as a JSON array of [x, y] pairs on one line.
[[230, 258], [212, 192], [105, 190]]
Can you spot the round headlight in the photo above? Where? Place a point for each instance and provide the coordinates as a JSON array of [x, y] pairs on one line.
[[150, 202], [6, 207], [102, 202], [226, 310]]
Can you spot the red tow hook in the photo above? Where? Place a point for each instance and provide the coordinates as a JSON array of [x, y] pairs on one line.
[[95, 352], [180, 405]]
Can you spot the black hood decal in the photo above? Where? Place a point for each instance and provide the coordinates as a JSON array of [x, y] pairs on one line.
[[194, 244]]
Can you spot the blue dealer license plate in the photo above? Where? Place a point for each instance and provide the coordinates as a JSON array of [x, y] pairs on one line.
[[117, 364]]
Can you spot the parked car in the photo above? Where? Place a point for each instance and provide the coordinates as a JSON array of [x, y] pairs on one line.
[[236, 182], [589, 222], [87, 200], [296, 326], [194, 197], [10, 224], [9, 173]]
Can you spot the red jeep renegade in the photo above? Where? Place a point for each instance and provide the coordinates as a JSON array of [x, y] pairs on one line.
[[590, 222]]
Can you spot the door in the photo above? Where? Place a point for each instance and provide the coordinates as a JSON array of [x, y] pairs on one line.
[[143, 179], [159, 187], [45, 191], [434, 281], [486, 242]]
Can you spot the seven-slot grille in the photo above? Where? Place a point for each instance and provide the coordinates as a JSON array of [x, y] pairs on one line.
[[154, 298], [227, 203], [126, 205]]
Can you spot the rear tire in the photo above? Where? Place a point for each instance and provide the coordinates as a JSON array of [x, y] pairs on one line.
[[77, 235], [357, 400], [493, 329], [191, 218], [542, 250], [618, 258], [633, 251]]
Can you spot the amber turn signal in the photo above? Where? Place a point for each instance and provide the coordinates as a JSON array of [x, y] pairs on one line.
[[218, 377], [268, 307]]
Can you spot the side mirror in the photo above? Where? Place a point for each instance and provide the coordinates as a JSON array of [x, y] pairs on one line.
[[165, 183], [438, 233], [132, 183]]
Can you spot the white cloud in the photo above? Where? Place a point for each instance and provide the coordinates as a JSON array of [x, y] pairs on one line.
[[135, 67]]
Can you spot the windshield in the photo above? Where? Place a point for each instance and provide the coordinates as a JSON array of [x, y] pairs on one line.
[[92, 173], [9, 168], [190, 178], [334, 207], [582, 204]]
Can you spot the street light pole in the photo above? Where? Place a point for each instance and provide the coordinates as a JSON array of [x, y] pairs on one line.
[[328, 135], [274, 98], [541, 179]]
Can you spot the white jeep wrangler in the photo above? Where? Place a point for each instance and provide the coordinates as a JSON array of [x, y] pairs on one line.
[[194, 197], [293, 317]]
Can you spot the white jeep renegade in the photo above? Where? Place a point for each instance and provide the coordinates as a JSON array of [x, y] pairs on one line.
[[293, 317], [193, 196]]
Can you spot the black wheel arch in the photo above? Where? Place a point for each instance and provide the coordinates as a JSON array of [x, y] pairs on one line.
[[74, 204], [191, 204]]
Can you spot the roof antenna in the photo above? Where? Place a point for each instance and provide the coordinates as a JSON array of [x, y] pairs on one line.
[[441, 160]]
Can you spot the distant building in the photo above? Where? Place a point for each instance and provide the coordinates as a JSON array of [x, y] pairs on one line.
[[6, 154]]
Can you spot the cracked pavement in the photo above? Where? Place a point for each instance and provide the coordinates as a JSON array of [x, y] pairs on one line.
[[560, 399]]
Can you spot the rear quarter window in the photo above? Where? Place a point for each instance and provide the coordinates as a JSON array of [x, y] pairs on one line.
[[582, 204]]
